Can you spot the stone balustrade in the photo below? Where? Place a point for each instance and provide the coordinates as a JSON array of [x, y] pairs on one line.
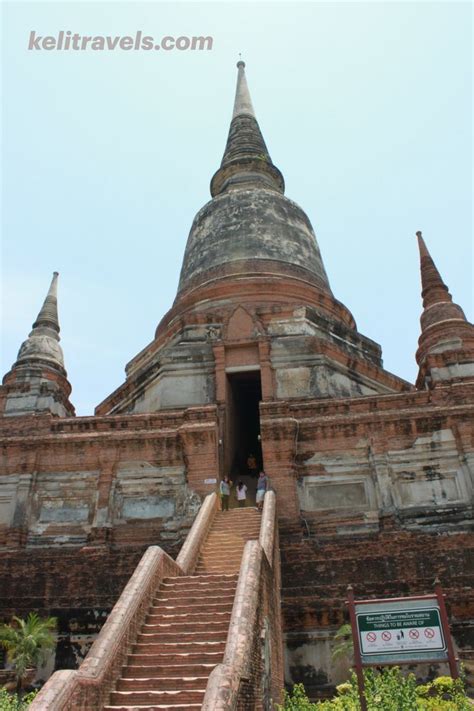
[[255, 623], [89, 687]]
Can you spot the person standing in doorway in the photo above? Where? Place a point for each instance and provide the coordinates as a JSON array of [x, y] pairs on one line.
[[241, 494], [225, 492], [262, 484], [252, 466]]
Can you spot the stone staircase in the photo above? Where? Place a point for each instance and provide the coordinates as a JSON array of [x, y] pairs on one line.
[[223, 548], [184, 634]]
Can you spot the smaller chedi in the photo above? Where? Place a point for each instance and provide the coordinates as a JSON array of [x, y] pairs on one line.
[[37, 381]]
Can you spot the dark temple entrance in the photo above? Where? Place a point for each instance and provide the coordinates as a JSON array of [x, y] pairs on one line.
[[243, 426]]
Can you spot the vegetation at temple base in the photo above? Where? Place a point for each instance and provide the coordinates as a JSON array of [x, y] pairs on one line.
[[13, 702], [388, 690], [27, 641], [344, 647]]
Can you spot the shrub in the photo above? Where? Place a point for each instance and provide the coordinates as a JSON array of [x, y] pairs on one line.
[[12, 702], [388, 690]]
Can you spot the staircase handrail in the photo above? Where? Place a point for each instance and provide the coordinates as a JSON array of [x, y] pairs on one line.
[[225, 680], [189, 553]]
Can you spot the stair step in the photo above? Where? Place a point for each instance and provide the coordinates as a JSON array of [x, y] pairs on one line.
[[198, 579], [195, 594], [205, 588], [201, 657], [209, 567], [162, 683], [143, 671], [236, 523], [228, 543], [210, 625], [155, 707], [178, 647], [209, 635], [250, 526], [163, 607], [151, 698], [231, 556], [187, 617]]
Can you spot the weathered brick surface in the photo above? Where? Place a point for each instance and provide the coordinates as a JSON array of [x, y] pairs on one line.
[[412, 456], [90, 686], [80, 501]]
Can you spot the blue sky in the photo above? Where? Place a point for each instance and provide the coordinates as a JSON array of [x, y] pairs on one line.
[[365, 108]]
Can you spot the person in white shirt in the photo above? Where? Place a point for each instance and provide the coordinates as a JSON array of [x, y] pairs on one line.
[[241, 494]]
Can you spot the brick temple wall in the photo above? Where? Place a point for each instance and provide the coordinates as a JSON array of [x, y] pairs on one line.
[[82, 498], [373, 492]]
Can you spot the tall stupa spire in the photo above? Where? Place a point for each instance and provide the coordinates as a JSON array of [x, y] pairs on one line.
[[249, 227], [246, 162]]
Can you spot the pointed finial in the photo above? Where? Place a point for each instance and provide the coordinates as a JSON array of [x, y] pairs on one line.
[[434, 289], [246, 162], [48, 315], [43, 341], [243, 102]]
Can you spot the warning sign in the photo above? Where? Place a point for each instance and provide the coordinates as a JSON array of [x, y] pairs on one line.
[[400, 631]]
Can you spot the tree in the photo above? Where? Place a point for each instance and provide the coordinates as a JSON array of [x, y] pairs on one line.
[[344, 648], [27, 641]]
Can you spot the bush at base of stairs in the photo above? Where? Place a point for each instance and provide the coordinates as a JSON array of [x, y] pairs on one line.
[[12, 702], [387, 691]]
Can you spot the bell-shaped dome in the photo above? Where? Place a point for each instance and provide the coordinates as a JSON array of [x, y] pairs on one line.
[[249, 226], [249, 230]]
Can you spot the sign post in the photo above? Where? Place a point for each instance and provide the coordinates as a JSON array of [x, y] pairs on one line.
[[402, 630], [357, 657], [453, 667]]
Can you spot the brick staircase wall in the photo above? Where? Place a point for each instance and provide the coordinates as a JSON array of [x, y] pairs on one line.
[[216, 607], [251, 673], [89, 687]]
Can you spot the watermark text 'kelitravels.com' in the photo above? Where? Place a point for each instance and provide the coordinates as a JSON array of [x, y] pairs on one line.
[[67, 41]]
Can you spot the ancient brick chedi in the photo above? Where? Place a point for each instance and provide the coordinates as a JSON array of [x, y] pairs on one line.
[[373, 475]]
